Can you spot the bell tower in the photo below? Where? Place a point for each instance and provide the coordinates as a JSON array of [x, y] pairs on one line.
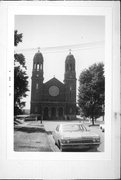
[[70, 86], [37, 82]]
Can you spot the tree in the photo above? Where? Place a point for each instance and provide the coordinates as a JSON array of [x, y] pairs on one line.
[[91, 90], [20, 77]]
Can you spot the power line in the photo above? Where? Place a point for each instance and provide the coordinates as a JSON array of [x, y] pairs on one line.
[[63, 48]]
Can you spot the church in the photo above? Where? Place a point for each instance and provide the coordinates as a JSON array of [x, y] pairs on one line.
[[53, 100]]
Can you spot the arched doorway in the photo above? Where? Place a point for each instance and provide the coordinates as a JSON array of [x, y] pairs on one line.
[[60, 112], [53, 113], [45, 115]]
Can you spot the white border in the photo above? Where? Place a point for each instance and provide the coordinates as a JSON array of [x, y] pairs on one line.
[[47, 10], [103, 159]]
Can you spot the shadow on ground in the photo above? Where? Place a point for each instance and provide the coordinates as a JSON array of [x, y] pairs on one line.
[[30, 129], [49, 132], [81, 150]]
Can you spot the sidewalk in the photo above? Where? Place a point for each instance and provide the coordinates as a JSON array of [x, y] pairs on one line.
[[31, 137]]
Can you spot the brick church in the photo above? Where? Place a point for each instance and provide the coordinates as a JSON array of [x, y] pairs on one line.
[[53, 99]]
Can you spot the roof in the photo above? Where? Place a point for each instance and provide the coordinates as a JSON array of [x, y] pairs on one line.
[[38, 57], [54, 80], [70, 57]]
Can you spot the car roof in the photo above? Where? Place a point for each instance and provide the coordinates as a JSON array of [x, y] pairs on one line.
[[71, 124]]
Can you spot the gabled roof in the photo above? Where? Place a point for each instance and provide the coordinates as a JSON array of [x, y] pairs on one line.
[[54, 81]]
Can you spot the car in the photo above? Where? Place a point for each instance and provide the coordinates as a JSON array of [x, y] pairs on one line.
[[102, 127], [74, 136]]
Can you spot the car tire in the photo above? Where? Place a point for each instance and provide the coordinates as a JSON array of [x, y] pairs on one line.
[[93, 148], [60, 147], [56, 143]]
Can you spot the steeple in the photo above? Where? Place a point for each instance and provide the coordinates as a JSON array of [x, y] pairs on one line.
[[38, 61], [70, 65], [70, 78], [37, 78]]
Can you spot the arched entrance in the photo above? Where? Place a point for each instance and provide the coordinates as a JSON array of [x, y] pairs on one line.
[[45, 115], [53, 113], [60, 112]]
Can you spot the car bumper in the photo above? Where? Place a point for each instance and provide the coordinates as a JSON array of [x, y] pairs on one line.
[[80, 146]]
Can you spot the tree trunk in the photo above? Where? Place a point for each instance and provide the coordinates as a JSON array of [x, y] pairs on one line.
[[93, 120]]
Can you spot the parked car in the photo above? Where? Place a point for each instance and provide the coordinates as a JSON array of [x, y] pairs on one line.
[[73, 136], [102, 127]]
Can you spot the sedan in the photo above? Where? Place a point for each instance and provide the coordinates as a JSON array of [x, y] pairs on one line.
[[73, 136]]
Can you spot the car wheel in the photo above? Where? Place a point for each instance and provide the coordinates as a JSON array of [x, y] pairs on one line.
[[93, 148], [60, 147], [56, 143]]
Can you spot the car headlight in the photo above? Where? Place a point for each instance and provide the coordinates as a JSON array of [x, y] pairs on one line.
[[94, 140], [65, 141], [68, 141]]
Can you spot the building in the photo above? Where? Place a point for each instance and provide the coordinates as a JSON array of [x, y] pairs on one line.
[[53, 99]]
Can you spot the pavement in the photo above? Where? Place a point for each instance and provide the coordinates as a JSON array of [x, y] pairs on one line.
[[32, 136]]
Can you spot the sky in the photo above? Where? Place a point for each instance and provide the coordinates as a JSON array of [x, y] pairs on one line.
[[54, 31]]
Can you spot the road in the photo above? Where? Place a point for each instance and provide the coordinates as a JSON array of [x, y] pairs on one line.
[[51, 125], [34, 136]]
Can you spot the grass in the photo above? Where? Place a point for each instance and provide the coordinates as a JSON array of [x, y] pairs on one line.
[[30, 138]]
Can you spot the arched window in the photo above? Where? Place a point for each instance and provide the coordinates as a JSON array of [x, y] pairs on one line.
[[37, 67], [41, 66], [37, 86], [70, 67], [34, 65], [66, 67]]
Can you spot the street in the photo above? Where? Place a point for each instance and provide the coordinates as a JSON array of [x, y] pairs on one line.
[[34, 136]]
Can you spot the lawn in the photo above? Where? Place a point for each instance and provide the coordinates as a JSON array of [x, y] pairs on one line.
[[31, 138]]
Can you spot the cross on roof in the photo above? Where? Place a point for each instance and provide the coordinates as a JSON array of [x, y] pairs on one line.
[[38, 49], [69, 51]]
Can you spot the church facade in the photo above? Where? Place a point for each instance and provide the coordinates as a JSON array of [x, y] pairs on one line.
[[53, 100]]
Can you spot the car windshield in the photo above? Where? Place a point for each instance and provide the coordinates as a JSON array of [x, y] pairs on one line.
[[73, 128]]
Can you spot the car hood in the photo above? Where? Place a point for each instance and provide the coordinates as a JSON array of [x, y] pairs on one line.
[[73, 135]]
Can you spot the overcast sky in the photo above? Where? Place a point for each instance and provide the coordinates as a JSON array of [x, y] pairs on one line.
[[51, 31]]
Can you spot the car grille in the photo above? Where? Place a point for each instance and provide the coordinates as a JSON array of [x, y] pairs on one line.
[[81, 141]]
